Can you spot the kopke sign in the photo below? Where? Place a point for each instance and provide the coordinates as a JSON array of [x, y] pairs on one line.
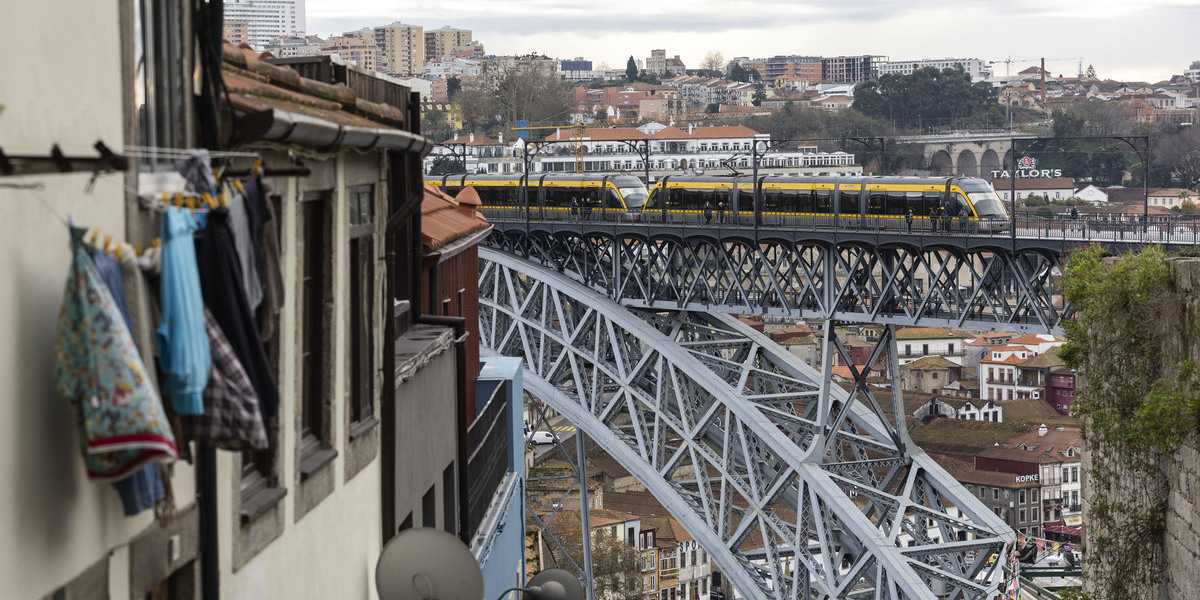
[[1027, 478], [1027, 169]]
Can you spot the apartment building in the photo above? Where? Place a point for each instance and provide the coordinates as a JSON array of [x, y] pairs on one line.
[[851, 69], [913, 343], [793, 67], [266, 19], [402, 49], [236, 32], [978, 69], [442, 42], [356, 47]]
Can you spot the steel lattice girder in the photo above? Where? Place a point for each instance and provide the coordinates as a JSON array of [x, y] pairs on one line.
[[983, 287], [757, 456]]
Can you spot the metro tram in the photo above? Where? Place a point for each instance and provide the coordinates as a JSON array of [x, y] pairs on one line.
[[831, 201], [600, 197]]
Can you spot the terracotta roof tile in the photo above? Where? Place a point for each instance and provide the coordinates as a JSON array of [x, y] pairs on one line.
[[444, 220]]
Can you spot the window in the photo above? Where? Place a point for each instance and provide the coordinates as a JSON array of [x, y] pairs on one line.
[[1074, 474], [1021, 497], [1034, 492], [315, 292], [995, 493], [362, 310], [162, 74]]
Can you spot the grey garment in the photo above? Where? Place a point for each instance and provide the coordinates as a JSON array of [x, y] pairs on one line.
[[268, 313], [196, 169], [239, 222], [140, 315]]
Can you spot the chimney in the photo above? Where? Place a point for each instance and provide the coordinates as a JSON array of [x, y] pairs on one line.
[[1043, 80], [456, 137], [501, 140], [472, 140], [1042, 430]]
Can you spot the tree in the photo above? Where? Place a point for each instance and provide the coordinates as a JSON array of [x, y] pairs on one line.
[[713, 63], [1091, 71], [734, 71], [453, 87], [631, 70], [1179, 155], [712, 108], [615, 569], [927, 98], [759, 95]]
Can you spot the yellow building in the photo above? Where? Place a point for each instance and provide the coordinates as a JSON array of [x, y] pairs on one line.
[[237, 32], [402, 49], [353, 49], [441, 43]]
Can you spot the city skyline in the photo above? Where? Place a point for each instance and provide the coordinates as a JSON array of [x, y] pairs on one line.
[[1070, 30]]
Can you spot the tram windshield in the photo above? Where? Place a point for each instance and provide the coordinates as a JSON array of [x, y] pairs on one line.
[[632, 191], [987, 204]]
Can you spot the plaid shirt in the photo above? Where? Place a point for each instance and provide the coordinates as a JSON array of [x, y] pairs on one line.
[[231, 419]]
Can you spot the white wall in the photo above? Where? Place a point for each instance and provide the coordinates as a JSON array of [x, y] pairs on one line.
[[62, 84]]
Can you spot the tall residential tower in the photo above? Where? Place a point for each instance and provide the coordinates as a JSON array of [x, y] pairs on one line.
[[267, 19]]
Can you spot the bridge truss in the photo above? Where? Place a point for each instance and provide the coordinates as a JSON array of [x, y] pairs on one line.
[[900, 280], [795, 487]]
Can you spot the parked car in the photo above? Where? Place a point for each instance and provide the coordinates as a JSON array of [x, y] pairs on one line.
[[541, 437]]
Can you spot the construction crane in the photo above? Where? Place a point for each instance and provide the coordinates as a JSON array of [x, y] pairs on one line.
[[1010, 60], [577, 130]]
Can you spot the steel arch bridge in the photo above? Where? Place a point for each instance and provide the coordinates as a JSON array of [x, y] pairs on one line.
[[796, 488]]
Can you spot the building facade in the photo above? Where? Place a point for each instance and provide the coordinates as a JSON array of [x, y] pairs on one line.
[[267, 19], [402, 49], [851, 69], [363, 437], [442, 42], [979, 70]]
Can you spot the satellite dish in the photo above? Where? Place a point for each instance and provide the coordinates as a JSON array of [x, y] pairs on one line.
[[428, 564], [554, 584]]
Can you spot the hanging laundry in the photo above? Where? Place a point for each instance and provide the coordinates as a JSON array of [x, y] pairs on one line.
[[220, 280], [182, 343], [196, 169], [239, 224], [138, 304], [122, 425], [144, 488], [266, 241], [231, 419], [140, 491]]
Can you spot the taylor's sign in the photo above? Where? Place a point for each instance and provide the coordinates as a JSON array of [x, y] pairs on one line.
[[1027, 478], [1027, 169]]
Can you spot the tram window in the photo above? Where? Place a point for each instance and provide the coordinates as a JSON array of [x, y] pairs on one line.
[[692, 199], [824, 202], [895, 204], [914, 201], [876, 202], [849, 202], [675, 199], [933, 200], [771, 201], [611, 199], [745, 202], [804, 198]]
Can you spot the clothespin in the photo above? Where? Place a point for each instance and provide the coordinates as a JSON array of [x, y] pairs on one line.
[[178, 199], [221, 199], [257, 167], [166, 199], [92, 237], [237, 184], [108, 243], [191, 202], [137, 250], [208, 199], [158, 242]]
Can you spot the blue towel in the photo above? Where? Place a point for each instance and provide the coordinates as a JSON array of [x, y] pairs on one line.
[[182, 340]]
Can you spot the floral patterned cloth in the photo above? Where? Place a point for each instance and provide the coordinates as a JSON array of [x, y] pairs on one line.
[[122, 424]]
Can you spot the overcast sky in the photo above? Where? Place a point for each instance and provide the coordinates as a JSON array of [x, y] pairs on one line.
[[1147, 40]]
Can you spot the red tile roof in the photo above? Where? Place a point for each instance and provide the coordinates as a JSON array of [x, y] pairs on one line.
[[444, 219]]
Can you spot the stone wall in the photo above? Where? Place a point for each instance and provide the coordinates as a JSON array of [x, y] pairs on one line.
[[1142, 511]]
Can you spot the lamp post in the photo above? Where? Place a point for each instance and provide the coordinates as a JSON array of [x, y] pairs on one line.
[[1144, 156], [642, 149]]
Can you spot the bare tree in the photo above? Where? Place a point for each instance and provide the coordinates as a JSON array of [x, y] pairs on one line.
[[615, 571], [714, 63]]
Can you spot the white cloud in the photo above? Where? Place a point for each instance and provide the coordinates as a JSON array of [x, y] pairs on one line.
[[1147, 40]]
